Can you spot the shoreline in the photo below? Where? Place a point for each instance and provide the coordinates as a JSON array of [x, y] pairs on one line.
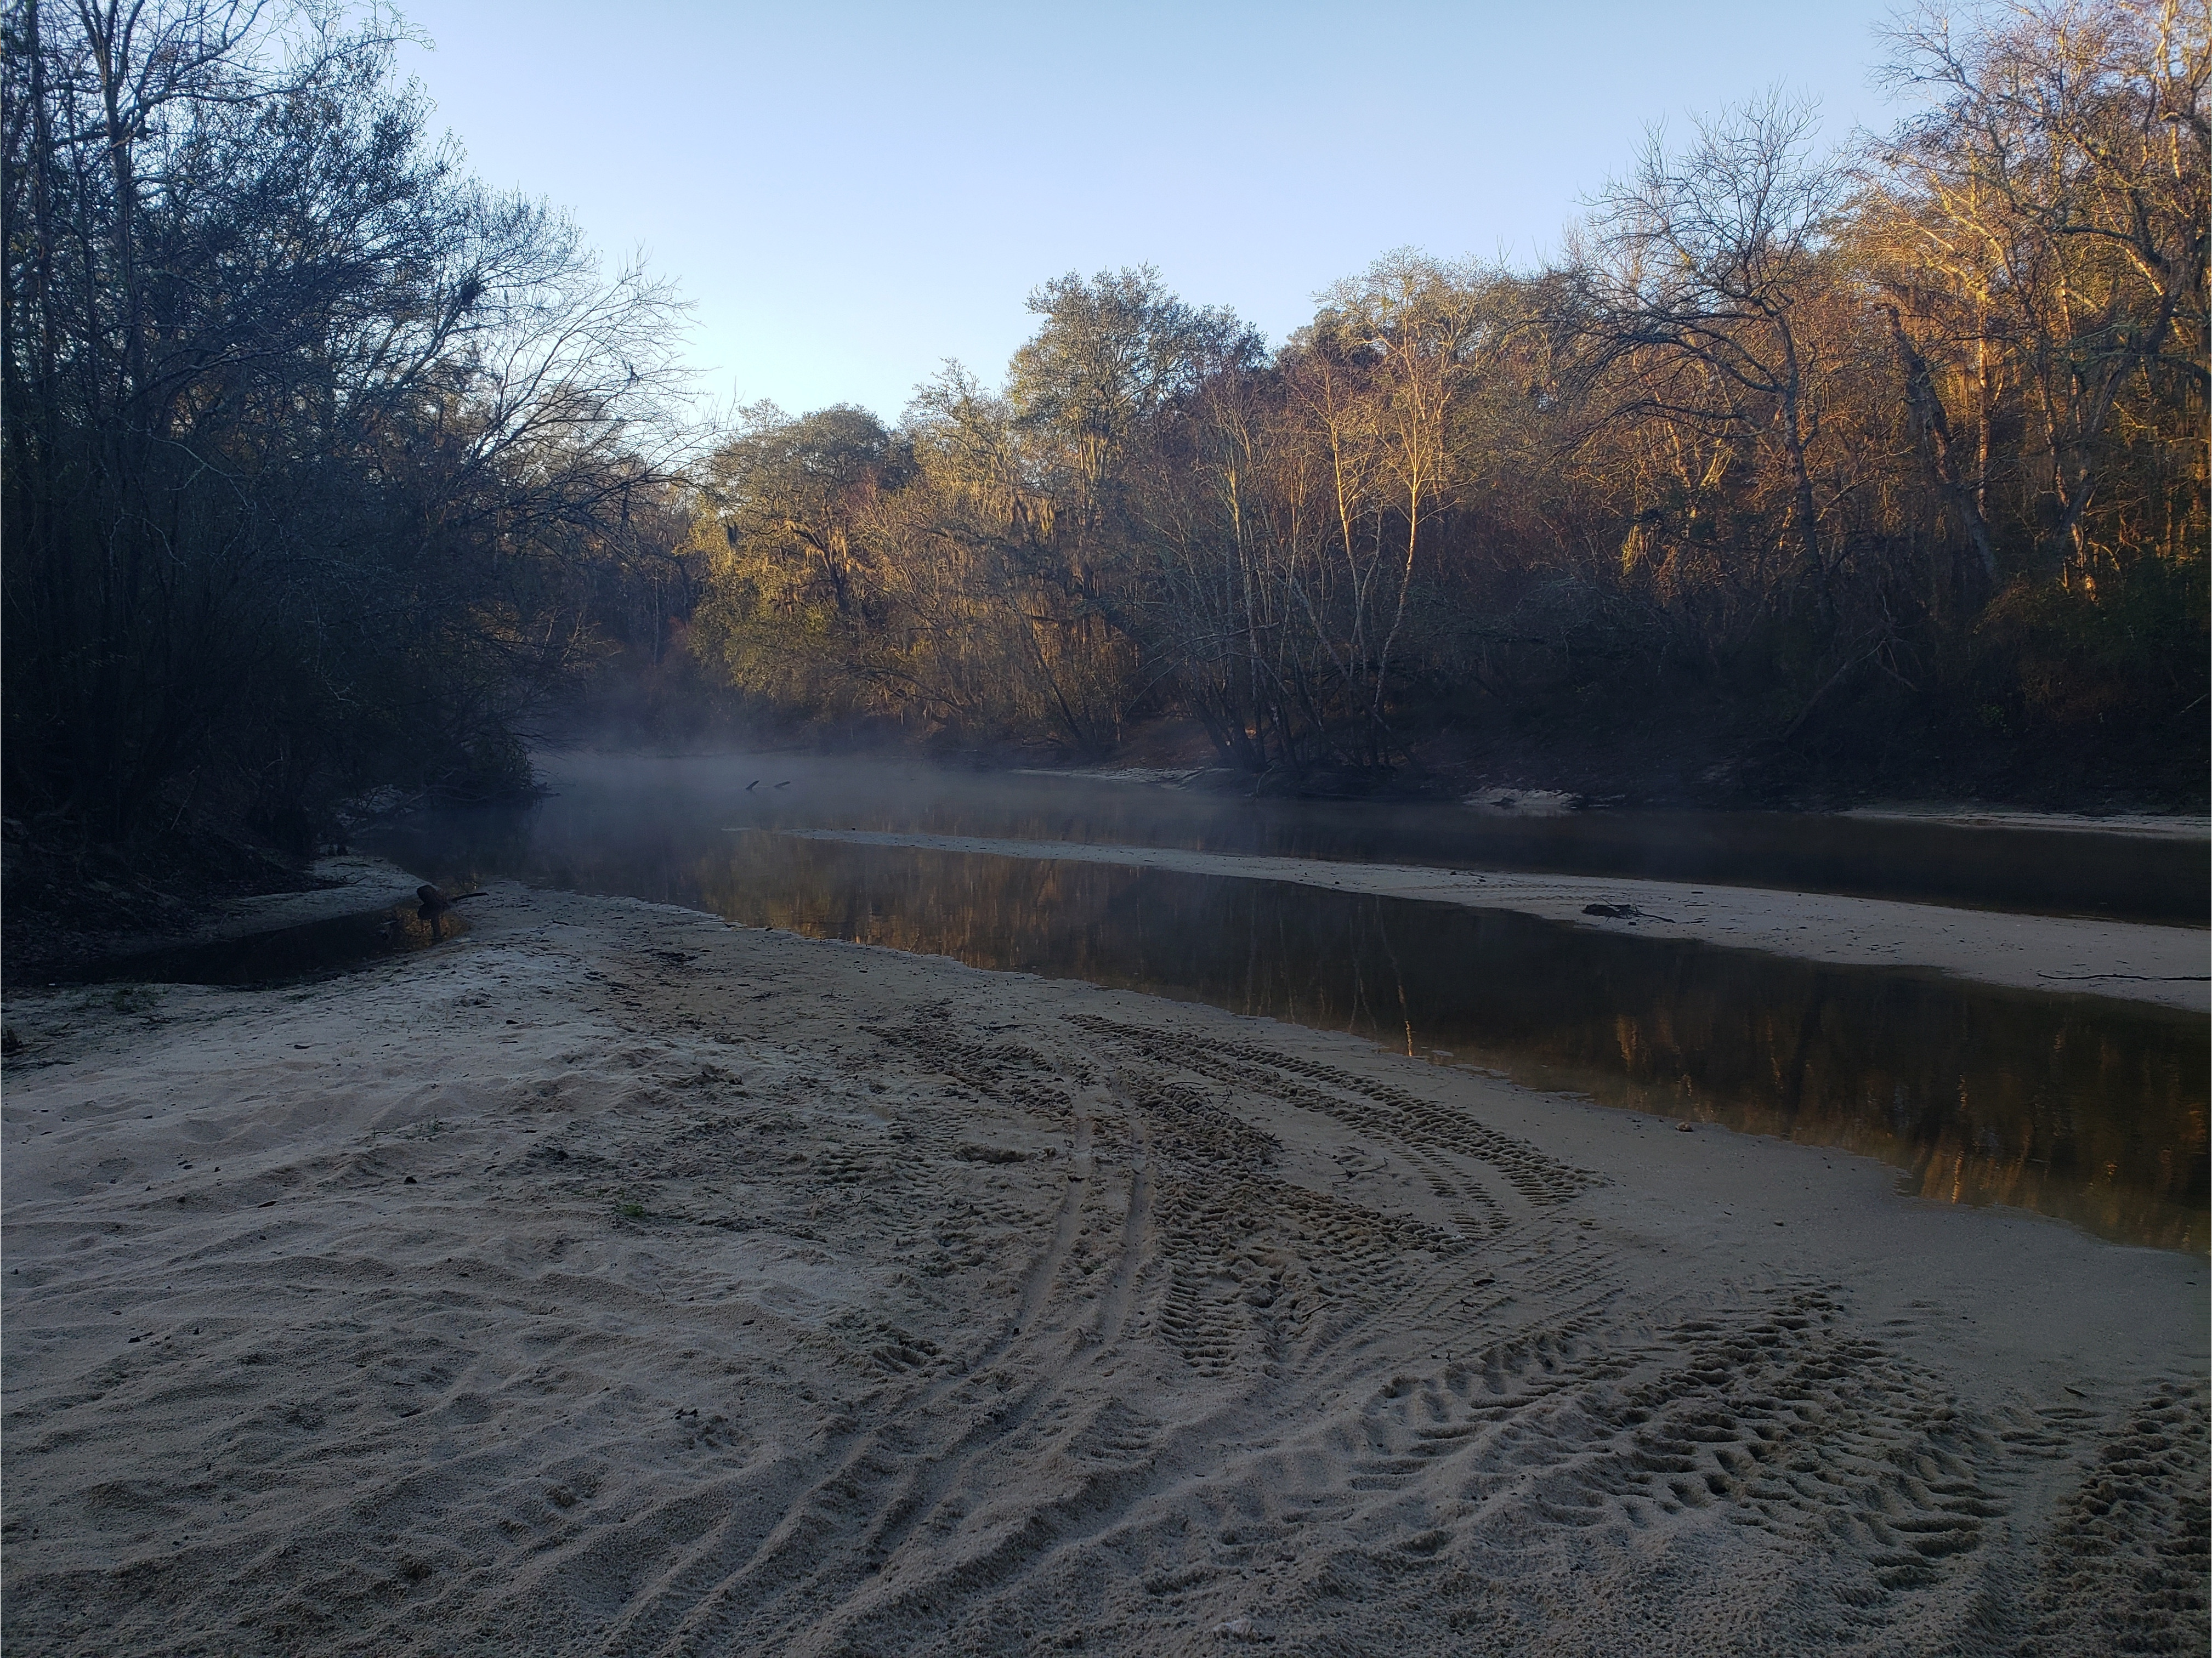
[[614, 1272], [2130, 960], [211, 913], [1509, 801], [1534, 801], [2143, 825]]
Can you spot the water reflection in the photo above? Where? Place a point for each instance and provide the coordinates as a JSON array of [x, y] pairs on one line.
[[2084, 1108], [2046, 872]]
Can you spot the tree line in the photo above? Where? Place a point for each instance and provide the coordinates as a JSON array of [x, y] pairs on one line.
[[1813, 452], [326, 467]]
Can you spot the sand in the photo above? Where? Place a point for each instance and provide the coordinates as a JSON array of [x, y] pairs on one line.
[[615, 1280], [2156, 826], [2129, 959]]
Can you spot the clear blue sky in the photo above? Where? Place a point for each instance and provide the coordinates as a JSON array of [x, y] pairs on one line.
[[850, 194]]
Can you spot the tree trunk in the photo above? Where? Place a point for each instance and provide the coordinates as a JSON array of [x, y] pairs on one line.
[[1939, 453]]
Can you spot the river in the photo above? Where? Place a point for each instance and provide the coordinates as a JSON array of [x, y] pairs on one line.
[[2088, 1108]]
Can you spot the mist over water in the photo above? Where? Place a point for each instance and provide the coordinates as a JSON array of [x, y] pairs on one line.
[[2052, 872], [2088, 1108]]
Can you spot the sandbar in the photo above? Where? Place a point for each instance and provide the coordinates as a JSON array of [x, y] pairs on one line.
[[614, 1279]]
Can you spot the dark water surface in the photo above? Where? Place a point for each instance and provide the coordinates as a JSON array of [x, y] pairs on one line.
[[307, 950], [2085, 1107], [2040, 872]]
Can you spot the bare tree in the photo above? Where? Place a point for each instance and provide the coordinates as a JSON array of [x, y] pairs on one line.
[[303, 426], [2047, 216], [1711, 254]]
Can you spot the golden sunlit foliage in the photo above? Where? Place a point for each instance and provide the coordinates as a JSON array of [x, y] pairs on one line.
[[326, 466], [1908, 440]]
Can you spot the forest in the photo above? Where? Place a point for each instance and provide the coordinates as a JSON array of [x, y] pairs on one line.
[[1802, 471]]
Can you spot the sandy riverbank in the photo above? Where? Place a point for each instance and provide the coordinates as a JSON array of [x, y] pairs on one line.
[[616, 1280], [2128, 959], [2140, 825]]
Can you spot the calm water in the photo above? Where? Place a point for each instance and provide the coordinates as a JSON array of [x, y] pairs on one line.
[[2049, 872], [334, 946], [2088, 1108]]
